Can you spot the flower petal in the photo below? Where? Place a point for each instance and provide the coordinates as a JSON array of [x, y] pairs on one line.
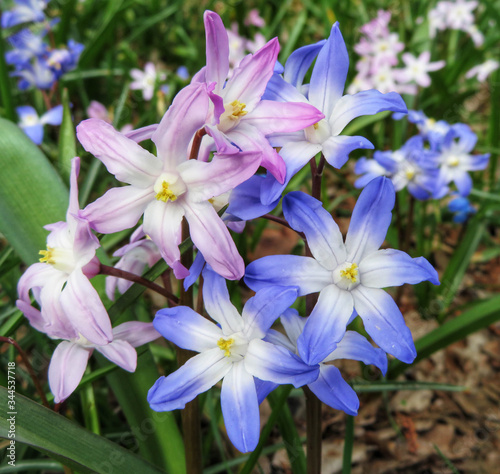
[[329, 73], [384, 322], [122, 157], [260, 311], [121, 353], [119, 209], [300, 61], [211, 237], [66, 369], [196, 376], [277, 364], [217, 50], [217, 303], [370, 219], [337, 149], [306, 214], [136, 333], [85, 310], [356, 347], [184, 117], [240, 408], [390, 267], [288, 270], [334, 391], [368, 102], [187, 329], [326, 325]]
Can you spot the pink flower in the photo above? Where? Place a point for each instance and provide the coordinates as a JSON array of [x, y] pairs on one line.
[[146, 80], [417, 68]]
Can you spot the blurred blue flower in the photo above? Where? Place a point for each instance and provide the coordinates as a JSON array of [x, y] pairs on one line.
[[32, 124], [24, 11], [462, 208]]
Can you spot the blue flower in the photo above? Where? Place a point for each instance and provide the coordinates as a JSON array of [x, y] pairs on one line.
[[330, 387], [456, 159], [24, 11], [348, 276], [462, 208], [32, 125], [232, 350], [325, 92]]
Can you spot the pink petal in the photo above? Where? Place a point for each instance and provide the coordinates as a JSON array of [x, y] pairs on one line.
[[66, 369], [121, 353], [118, 209], [124, 158], [136, 333], [217, 50]]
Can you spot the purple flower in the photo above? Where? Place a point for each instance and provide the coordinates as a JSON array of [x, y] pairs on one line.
[[240, 117], [169, 187], [70, 305], [146, 80], [348, 275], [231, 350]]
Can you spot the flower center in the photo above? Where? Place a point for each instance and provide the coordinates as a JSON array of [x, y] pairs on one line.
[[410, 174], [30, 119], [318, 132], [225, 345], [60, 258], [346, 276], [238, 110], [169, 187], [453, 161], [232, 115]]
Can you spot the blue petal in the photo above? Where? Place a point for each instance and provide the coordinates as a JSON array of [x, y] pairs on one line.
[[194, 270], [370, 219], [264, 388], [355, 347], [196, 376], [281, 91], [300, 61], [293, 324], [35, 132], [260, 311], [384, 268], [329, 73], [287, 270], [53, 116], [187, 329], [306, 214], [463, 181], [334, 391], [240, 408], [326, 325], [384, 322], [218, 304], [277, 364], [337, 149], [245, 201]]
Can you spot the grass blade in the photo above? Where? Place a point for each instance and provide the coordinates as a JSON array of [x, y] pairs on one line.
[[67, 138]]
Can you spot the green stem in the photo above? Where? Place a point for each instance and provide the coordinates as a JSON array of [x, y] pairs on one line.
[[313, 416], [348, 445]]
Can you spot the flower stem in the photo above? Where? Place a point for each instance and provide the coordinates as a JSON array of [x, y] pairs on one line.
[[191, 422], [313, 415], [116, 272], [195, 149]]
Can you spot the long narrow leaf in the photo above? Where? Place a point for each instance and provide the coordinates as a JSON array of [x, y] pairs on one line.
[[67, 138], [65, 441], [32, 194]]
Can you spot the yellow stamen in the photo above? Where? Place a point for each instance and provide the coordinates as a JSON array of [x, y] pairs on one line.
[[238, 109], [350, 273], [165, 194], [225, 345], [453, 161], [47, 256], [316, 126], [410, 175]]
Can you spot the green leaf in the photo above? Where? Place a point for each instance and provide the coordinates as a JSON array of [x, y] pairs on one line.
[[65, 441], [361, 122], [67, 138], [6, 84], [385, 386], [477, 316], [32, 194]]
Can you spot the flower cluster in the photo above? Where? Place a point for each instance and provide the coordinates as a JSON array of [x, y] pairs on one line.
[[455, 15], [36, 62], [378, 66], [441, 154], [217, 133]]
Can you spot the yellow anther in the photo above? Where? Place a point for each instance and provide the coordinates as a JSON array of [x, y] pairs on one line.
[[350, 273], [225, 345], [238, 109], [453, 161], [316, 126], [431, 122], [410, 174], [47, 256], [165, 194]]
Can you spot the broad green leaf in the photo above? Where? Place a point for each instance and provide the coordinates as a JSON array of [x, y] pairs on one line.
[[477, 316], [67, 138], [67, 442], [32, 194], [361, 122]]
